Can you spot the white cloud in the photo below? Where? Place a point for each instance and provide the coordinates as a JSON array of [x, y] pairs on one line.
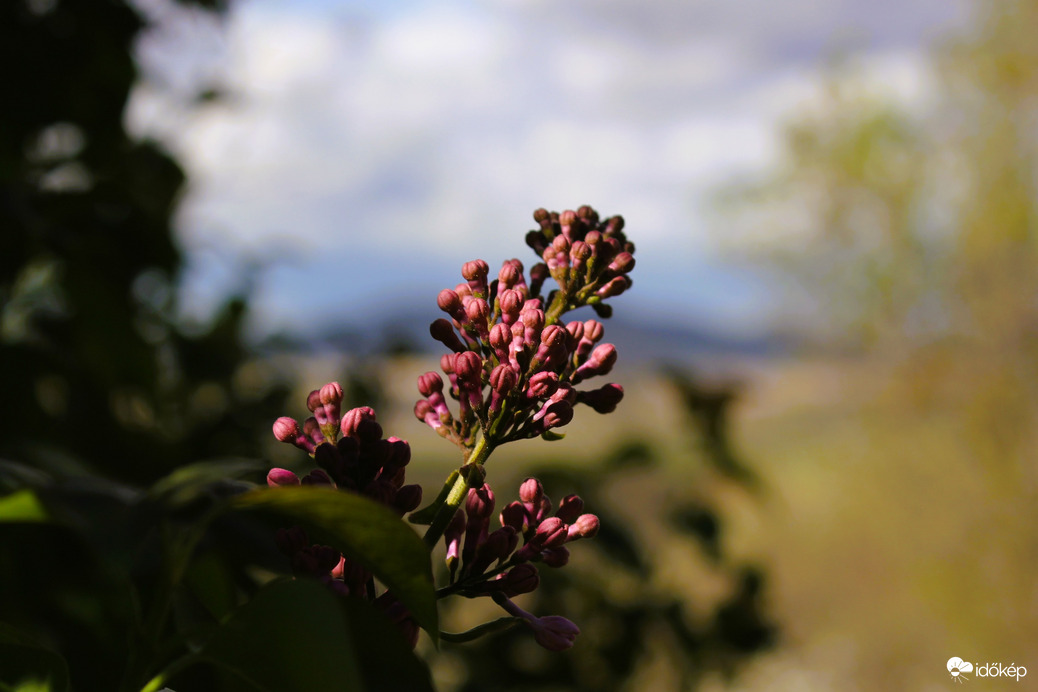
[[446, 124]]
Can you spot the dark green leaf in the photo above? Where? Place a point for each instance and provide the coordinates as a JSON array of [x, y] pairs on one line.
[[297, 635], [23, 660], [290, 637], [366, 531]]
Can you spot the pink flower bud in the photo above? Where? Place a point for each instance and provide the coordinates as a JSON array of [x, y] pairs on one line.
[[603, 399], [570, 508], [503, 379], [478, 312], [361, 424], [531, 492], [286, 429], [550, 533], [443, 331], [511, 273], [554, 632], [586, 526], [318, 477], [277, 478], [519, 580], [555, 557], [614, 287], [511, 304], [407, 498], [450, 302], [468, 366], [429, 383], [622, 263], [479, 503], [500, 338], [514, 515], [475, 270], [542, 385], [331, 393]]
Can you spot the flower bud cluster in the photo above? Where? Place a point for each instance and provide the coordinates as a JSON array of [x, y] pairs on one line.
[[360, 461], [513, 364], [483, 562], [589, 258]]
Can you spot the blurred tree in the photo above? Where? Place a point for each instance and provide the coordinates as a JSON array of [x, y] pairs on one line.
[[913, 229], [97, 374]]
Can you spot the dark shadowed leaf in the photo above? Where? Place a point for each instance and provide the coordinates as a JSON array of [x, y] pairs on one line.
[[296, 635], [23, 660], [366, 531]]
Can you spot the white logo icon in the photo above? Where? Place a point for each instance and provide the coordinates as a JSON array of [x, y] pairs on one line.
[[956, 666]]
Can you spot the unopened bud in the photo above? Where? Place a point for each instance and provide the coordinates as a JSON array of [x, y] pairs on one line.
[[604, 399], [450, 302], [430, 382], [407, 498], [479, 503], [570, 508], [286, 429], [586, 526], [443, 331], [277, 478]]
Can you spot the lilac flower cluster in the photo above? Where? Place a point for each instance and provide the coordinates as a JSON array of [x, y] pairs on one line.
[[492, 563], [513, 364], [513, 369], [360, 461]]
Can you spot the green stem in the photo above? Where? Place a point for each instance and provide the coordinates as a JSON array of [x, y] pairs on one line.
[[557, 308], [457, 493], [480, 630]]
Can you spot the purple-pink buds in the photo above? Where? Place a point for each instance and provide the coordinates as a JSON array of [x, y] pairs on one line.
[[554, 632], [586, 526], [604, 399], [600, 363], [518, 580], [407, 498], [503, 379], [277, 478], [570, 508], [443, 331], [551, 532], [450, 302], [287, 430], [429, 383], [475, 272], [555, 557], [531, 492], [514, 515], [361, 424], [479, 503], [622, 263], [468, 366], [511, 274]]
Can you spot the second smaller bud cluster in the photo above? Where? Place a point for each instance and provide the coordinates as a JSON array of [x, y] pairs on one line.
[[484, 561]]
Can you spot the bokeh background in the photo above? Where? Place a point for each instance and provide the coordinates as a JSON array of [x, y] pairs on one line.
[[824, 473]]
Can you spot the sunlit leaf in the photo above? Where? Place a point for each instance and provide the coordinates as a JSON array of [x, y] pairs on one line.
[[22, 505]]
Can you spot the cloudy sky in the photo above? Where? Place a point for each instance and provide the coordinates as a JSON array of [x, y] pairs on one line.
[[364, 150]]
